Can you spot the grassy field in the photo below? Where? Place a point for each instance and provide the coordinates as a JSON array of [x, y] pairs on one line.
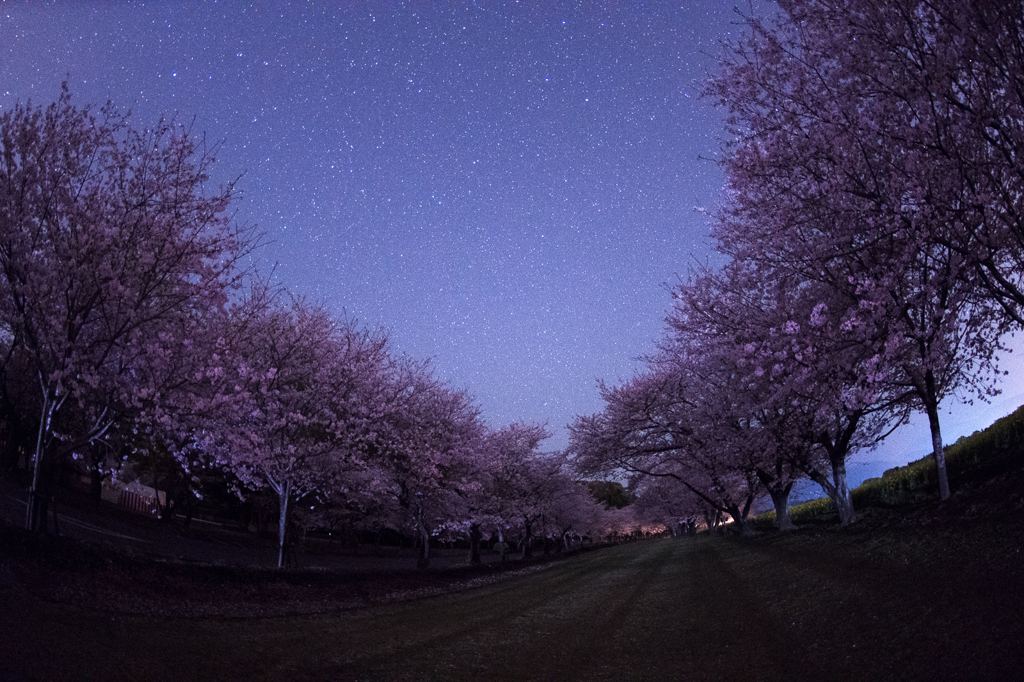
[[924, 594]]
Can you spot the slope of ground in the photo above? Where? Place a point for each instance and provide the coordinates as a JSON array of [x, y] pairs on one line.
[[931, 592]]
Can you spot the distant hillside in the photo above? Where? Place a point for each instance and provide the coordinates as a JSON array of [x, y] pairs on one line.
[[856, 473], [972, 461], [982, 455]]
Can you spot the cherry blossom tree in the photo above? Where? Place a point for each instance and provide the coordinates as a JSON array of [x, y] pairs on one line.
[[299, 402], [942, 80], [669, 422], [519, 484], [807, 381], [819, 193], [183, 388], [666, 501], [755, 433], [572, 512], [533, 490], [430, 439], [107, 235]]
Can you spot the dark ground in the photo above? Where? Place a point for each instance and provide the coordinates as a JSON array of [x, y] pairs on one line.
[[930, 592], [109, 527]]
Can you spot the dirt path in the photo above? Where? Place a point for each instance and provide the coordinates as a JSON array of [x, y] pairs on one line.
[[801, 607]]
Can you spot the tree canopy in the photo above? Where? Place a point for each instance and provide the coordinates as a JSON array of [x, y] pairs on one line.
[[871, 225]]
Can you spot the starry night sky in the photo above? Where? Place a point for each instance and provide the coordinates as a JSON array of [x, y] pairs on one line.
[[507, 189]]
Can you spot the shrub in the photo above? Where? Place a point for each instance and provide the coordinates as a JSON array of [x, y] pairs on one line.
[[764, 521], [820, 509]]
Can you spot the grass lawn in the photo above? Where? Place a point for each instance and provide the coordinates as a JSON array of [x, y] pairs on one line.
[[897, 596]]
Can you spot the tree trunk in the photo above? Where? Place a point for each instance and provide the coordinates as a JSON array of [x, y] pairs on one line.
[[842, 497], [837, 489], [8, 453], [938, 452], [161, 509], [474, 543], [424, 559], [843, 502], [36, 508], [528, 541], [779, 489], [780, 499], [41, 501], [96, 483], [739, 518], [40, 509], [282, 497]]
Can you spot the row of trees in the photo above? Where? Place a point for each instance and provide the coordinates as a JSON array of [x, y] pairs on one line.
[[129, 326], [874, 231]]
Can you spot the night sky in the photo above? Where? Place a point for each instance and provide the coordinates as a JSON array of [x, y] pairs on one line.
[[507, 189]]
